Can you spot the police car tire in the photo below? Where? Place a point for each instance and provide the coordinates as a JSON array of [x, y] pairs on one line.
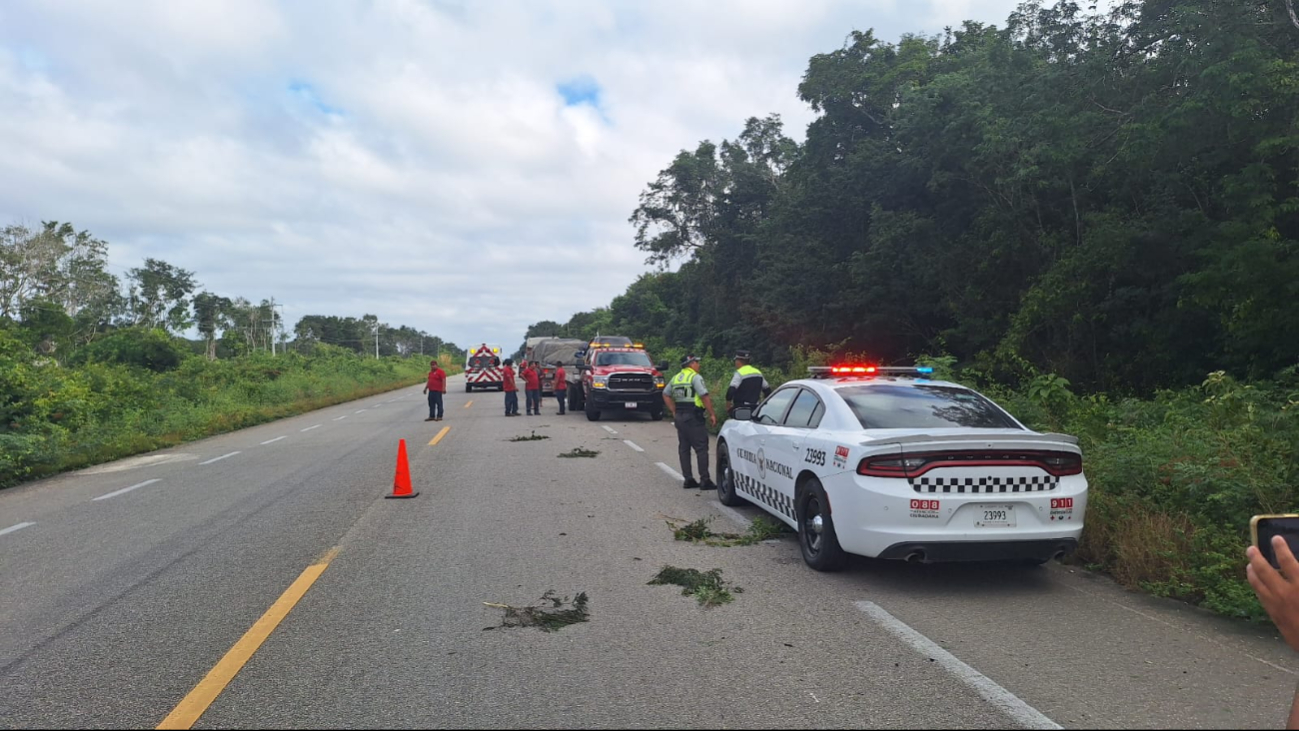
[[830, 556], [726, 493], [592, 413]]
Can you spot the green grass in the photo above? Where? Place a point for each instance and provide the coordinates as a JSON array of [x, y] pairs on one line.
[[534, 437], [762, 528], [707, 587], [548, 614]]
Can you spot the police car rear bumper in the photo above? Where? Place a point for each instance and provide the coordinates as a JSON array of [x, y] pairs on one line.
[[953, 551]]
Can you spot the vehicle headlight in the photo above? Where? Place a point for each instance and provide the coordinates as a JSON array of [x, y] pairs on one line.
[[599, 382]]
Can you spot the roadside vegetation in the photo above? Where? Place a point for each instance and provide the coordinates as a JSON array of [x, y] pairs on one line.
[[761, 528], [550, 613], [707, 587], [1089, 214], [93, 369]]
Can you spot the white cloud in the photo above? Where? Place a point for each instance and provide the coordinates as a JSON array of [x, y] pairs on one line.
[[411, 159]]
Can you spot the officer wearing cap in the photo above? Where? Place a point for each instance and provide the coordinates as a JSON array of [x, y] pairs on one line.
[[747, 385], [686, 397]]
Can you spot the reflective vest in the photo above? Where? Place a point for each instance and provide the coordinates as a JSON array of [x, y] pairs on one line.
[[683, 388]]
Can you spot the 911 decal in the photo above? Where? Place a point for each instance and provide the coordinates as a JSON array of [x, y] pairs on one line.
[[816, 457], [1061, 508], [841, 457]]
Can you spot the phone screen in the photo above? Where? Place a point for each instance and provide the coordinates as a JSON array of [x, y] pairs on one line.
[[1267, 526]]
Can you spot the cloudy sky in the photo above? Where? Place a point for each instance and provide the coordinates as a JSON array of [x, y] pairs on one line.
[[465, 167]]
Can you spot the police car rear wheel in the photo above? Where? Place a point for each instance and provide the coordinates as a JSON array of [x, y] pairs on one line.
[[816, 535], [726, 493]]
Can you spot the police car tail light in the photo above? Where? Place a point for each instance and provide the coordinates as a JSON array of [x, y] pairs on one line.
[[889, 466], [1062, 464]]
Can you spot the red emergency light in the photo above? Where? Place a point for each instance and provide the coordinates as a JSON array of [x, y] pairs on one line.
[[846, 370]]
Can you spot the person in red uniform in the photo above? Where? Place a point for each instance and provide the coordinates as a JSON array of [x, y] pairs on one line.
[[561, 387], [531, 388], [511, 388], [436, 386]]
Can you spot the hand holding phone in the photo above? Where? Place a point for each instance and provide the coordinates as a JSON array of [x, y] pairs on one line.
[[1277, 590], [1263, 528]]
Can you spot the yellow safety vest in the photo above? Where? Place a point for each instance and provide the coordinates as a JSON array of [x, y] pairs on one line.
[[683, 387]]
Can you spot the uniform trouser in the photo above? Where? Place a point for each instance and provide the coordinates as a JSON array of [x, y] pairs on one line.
[[511, 402], [562, 398], [435, 404], [533, 400], [692, 433]]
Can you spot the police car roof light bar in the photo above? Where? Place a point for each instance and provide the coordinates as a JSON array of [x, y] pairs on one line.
[[857, 370]]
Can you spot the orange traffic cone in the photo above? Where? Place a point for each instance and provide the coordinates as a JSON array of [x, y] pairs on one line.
[[401, 482]]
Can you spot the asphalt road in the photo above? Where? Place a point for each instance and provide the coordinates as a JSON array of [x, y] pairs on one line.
[[123, 586]]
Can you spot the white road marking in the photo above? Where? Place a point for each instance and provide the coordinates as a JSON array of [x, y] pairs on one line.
[[633, 445], [358, 411], [1000, 698], [126, 489], [344, 416], [676, 475], [317, 426], [611, 431], [276, 439], [218, 459], [13, 528]]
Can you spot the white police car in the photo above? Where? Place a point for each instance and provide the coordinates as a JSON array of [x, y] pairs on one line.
[[883, 462]]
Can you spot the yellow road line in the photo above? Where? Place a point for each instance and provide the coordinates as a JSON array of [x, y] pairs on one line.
[[441, 434], [193, 705], [469, 403]]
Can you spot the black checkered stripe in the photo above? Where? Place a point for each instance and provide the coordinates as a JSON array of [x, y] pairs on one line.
[[764, 494], [1036, 483]]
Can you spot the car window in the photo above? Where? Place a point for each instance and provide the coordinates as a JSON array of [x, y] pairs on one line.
[[625, 359], [772, 411], [817, 413], [801, 412], [886, 406]]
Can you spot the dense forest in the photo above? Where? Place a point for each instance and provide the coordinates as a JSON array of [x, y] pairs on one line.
[[1107, 196]]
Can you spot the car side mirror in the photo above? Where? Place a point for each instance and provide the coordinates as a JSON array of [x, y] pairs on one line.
[[661, 366], [743, 413]]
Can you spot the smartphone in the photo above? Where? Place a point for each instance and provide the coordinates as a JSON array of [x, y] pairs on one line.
[[1263, 527]]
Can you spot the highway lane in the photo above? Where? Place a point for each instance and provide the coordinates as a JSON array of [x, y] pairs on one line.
[[114, 609]]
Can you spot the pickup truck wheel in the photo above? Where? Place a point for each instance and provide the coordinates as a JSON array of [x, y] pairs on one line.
[[657, 414], [592, 413], [469, 388]]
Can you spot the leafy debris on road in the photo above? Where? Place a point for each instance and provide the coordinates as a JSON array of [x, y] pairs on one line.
[[548, 614], [707, 587], [762, 528], [580, 452], [532, 438]]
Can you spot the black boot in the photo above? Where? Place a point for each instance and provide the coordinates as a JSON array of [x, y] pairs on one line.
[[708, 485], [690, 483]]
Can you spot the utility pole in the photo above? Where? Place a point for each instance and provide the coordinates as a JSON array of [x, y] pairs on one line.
[[376, 340], [273, 323]]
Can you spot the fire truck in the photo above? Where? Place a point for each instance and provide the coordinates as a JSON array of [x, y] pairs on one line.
[[483, 368]]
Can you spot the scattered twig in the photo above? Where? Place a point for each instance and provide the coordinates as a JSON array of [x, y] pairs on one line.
[[580, 452], [761, 529], [532, 438], [707, 587], [549, 613]]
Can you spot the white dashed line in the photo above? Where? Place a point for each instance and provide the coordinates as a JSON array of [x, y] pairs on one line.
[[611, 431], [1000, 698], [675, 475], [125, 489], [344, 416], [13, 528], [317, 426], [218, 459], [276, 439], [633, 445], [358, 411]]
